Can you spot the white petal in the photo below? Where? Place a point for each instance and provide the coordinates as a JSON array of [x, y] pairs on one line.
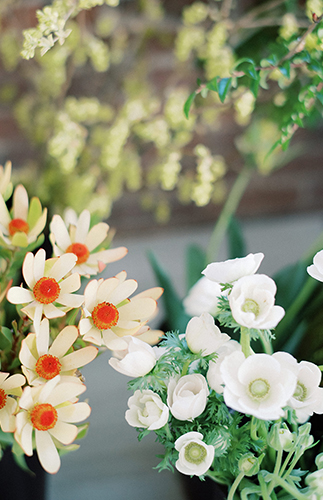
[[39, 264], [82, 227], [70, 284], [20, 203], [71, 300], [47, 452], [62, 266], [64, 340], [4, 214], [63, 432], [60, 232], [42, 337], [123, 291], [97, 234], [65, 392], [74, 412], [50, 311], [19, 295], [79, 358]]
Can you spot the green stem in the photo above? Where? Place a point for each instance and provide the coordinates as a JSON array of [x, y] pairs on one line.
[[228, 210], [264, 490], [235, 485], [266, 343], [279, 458], [245, 341], [290, 488]]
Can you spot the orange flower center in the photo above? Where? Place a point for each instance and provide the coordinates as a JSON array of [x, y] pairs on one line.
[[18, 225], [43, 416], [48, 366], [3, 399], [81, 251], [105, 315], [46, 290]]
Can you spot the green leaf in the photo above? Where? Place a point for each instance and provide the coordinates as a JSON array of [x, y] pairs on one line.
[[285, 69], [254, 85], [224, 85], [236, 241], [249, 67], [188, 104], [195, 263], [213, 84], [6, 338], [176, 317]]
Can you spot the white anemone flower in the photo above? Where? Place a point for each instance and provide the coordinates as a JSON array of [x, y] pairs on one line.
[[316, 269], [195, 457], [187, 396], [136, 360], [109, 313], [9, 386], [252, 302], [25, 222], [259, 385], [48, 414], [202, 297], [84, 243], [202, 334], [308, 396], [233, 269], [50, 286], [147, 410], [41, 361]]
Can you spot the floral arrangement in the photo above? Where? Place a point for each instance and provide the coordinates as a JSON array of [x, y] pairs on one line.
[[223, 410], [48, 331]]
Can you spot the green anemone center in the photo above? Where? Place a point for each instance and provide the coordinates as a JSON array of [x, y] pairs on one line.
[[195, 453], [251, 305], [259, 389]]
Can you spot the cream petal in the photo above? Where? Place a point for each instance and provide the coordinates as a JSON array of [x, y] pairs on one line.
[[70, 284], [28, 270], [39, 226], [39, 264], [85, 325], [105, 289], [16, 380], [20, 203], [123, 291], [96, 235], [51, 311], [26, 438], [65, 392], [71, 300], [47, 452], [151, 337], [4, 213], [62, 266], [110, 255], [25, 356], [26, 401], [94, 336], [42, 337], [79, 358], [3, 376], [82, 227], [90, 293], [19, 295], [153, 293], [63, 432], [7, 419], [139, 309], [47, 389], [60, 232], [64, 340], [74, 412], [113, 342]]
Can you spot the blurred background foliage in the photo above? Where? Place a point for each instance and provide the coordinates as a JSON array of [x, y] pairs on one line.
[[98, 88]]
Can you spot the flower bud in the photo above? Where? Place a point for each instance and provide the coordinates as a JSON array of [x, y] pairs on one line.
[[249, 464], [281, 438]]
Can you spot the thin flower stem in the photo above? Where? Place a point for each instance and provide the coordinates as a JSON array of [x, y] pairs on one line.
[[266, 343], [228, 210], [235, 485], [168, 432], [245, 341], [264, 490], [278, 463], [296, 494]]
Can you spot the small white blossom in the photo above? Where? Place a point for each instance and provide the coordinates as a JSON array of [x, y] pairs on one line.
[[147, 410], [252, 302], [187, 396], [316, 269], [259, 385], [135, 361], [203, 296], [203, 335], [195, 457], [233, 269]]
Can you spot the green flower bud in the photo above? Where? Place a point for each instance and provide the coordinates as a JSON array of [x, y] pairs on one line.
[[280, 438], [249, 464]]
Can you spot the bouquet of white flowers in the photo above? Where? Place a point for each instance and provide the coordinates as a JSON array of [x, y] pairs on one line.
[[224, 411]]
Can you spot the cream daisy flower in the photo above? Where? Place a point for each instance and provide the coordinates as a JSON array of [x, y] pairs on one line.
[[48, 414], [24, 223], [110, 314], [41, 362], [50, 284], [84, 242], [9, 386]]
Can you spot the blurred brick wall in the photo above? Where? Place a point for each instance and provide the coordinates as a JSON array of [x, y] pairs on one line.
[[296, 188]]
